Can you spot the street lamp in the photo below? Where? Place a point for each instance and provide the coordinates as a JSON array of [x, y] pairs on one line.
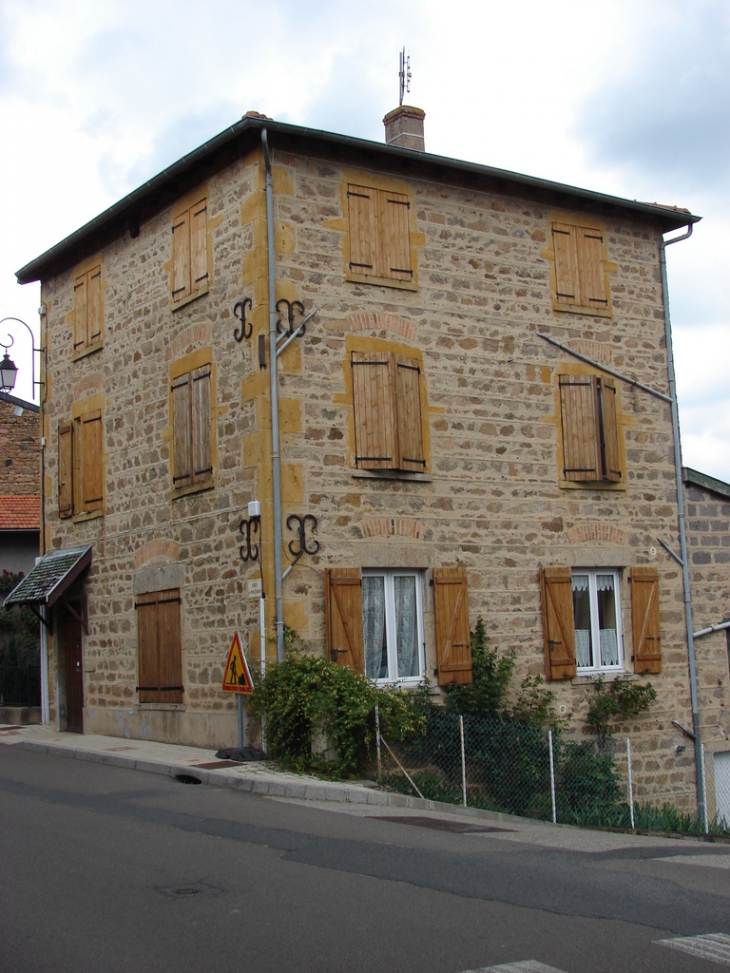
[[8, 368]]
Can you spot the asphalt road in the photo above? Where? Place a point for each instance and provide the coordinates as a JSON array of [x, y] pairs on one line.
[[106, 869]]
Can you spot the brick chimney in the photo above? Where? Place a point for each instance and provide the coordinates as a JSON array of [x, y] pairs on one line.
[[404, 127]]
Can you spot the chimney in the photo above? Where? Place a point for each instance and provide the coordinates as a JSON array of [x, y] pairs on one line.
[[404, 127]]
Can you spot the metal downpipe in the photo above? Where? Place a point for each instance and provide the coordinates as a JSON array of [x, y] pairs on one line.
[[274, 386], [699, 764]]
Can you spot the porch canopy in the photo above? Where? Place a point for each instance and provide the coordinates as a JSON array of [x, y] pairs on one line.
[[49, 579]]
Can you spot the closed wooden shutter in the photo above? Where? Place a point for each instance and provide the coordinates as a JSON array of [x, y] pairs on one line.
[[182, 467], [558, 626], [590, 264], [373, 386], [90, 465], [343, 617], [395, 236], [201, 427], [93, 324], [645, 620], [181, 257], [65, 469], [81, 292], [451, 619], [199, 246], [608, 430], [578, 403], [566, 264], [408, 408], [147, 650], [159, 647], [362, 206]]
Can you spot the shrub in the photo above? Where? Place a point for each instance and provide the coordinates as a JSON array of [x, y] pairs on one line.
[[617, 702]]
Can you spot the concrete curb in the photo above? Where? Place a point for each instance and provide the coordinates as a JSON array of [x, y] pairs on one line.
[[304, 790]]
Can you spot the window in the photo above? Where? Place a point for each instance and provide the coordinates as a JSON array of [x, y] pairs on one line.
[[80, 465], [190, 253], [374, 623], [580, 273], [159, 649], [192, 452], [582, 621], [387, 404], [380, 246], [87, 311], [590, 429]]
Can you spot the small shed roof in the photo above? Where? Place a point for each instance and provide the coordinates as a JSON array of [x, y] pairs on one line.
[[54, 573]]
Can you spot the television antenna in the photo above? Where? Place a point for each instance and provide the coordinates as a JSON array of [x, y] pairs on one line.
[[404, 74]]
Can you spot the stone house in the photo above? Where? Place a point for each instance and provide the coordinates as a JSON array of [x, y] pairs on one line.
[[475, 422], [19, 483]]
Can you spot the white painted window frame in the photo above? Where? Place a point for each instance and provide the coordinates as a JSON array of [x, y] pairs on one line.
[[595, 629], [389, 574]]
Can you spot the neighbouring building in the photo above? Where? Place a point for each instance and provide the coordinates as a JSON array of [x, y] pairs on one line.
[[475, 422], [20, 476]]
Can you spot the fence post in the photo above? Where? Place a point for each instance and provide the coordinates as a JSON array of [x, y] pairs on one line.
[[377, 741], [631, 783], [463, 759], [552, 777], [706, 822]]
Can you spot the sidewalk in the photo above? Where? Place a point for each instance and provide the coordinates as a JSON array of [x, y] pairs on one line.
[[263, 779]]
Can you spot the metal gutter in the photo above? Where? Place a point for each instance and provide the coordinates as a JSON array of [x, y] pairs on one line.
[[144, 200]]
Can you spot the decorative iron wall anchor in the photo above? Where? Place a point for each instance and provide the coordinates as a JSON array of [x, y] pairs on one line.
[[289, 309], [249, 551], [299, 545], [245, 330]]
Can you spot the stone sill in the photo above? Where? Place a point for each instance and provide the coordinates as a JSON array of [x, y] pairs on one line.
[[393, 475]]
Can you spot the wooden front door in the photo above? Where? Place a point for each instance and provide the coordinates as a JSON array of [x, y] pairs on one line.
[[74, 673]]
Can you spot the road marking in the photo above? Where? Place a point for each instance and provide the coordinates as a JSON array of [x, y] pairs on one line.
[[525, 966], [714, 947]]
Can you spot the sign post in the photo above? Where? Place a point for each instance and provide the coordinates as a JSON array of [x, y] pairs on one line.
[[237, 679]]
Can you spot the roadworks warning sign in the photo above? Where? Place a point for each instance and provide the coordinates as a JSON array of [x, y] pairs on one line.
[[237, 677]]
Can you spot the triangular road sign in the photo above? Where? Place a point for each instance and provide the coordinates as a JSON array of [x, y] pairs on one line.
[[236, 677]]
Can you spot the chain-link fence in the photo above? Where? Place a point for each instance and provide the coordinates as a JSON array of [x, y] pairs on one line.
[[517, 769]]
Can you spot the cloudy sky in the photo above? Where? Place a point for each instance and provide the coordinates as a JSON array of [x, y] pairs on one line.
[[630, 97]]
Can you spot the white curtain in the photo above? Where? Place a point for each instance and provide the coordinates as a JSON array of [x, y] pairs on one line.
[[404, 592], [580, 582], [582, 647], [373, 626], [609, 647]]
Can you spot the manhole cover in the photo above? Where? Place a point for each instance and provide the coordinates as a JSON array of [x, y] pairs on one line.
[[190, 890], [438, 824]]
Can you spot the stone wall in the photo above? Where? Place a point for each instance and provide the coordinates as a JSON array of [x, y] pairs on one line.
[[491, 498], [19, 451]]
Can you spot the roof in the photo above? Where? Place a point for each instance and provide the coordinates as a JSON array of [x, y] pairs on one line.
[[51, 576], [162, 190], [14, 400], [18, 512], [693, 478]]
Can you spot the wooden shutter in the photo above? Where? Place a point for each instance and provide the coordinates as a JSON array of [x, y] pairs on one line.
[[182, 467], [373, 388], [608, 430], [395, 236], [451, 618], [201, 427], [343, 617], [169, 646], [408, 410], [147, 650], [181, 257], [578, 403], [81, 292], [590, 266], [557, 619], [93, 319], [566, 264], [159, 647], [65, 469], [362, 206], [199, 246], [90, 463], [645, 620]]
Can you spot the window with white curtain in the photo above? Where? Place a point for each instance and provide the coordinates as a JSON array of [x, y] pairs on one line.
[[597, 618], [392, 621]]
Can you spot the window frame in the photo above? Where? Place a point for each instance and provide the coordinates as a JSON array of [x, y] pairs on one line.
[[371, 232], [389, 574], [595, 641]]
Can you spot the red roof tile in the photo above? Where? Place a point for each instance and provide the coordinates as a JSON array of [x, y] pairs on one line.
[[19, 512]]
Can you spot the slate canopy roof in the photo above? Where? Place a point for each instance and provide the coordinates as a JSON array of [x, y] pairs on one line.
[[54, 573]]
